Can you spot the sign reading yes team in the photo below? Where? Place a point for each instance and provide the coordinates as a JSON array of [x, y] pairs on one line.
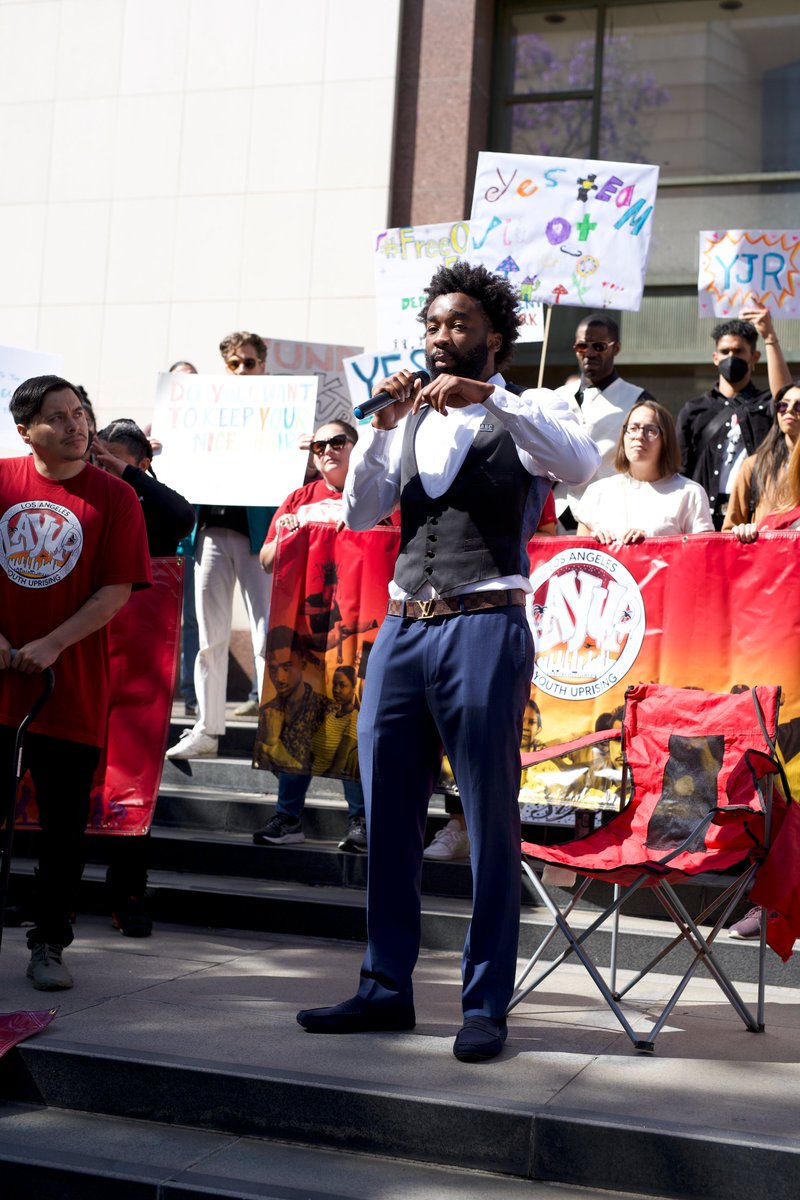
[[405, 260], [740, 267], [231, 439], [565, 230]]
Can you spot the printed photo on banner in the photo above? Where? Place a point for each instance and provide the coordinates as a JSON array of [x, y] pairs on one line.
[[328, 601], [741, 267], [231, 439], [605, 618], [15, 367], [405, 260], [565, 230]]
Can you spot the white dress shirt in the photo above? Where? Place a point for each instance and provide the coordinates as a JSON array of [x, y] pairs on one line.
[[550, 443]]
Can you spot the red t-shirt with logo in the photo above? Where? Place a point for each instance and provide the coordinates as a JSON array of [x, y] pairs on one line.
[[60, 541]]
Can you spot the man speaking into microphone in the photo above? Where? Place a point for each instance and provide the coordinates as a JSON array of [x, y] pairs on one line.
[[470, 463]]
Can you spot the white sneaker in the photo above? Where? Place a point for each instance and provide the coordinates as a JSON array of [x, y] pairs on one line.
[[450, 842], [194, 744]]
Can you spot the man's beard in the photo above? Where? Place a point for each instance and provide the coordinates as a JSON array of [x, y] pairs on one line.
[[467, 366]]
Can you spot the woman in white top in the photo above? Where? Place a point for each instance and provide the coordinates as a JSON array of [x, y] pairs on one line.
[[647, 498]]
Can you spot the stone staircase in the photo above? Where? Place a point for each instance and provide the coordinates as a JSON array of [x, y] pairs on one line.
[[94, 1109]]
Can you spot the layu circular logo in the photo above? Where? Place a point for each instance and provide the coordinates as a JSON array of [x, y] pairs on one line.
[[40, 543], [588, 620]]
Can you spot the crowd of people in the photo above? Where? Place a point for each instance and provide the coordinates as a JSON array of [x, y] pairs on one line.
[[600, 457]]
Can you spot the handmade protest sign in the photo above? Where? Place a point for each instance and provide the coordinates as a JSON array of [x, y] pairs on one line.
[[231, 439], [323, 359], [363, 371], [15, 367], [565, 230], [405, 260], [740, 267]]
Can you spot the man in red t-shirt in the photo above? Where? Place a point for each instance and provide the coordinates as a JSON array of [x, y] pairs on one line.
[[72, 545]]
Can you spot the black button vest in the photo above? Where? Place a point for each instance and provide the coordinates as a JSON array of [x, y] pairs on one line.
[[479, 528]]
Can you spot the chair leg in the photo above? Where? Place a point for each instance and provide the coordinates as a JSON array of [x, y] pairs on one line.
[[729, 897], [575, 945], [704, 953]]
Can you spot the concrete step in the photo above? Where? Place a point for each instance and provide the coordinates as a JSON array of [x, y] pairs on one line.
[[205, 1126], [48, 1152], [336, 910], [195, 1030]]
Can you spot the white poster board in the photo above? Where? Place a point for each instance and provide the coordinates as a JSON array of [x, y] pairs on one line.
[[285, 357], [572, 231], [233, 439], [405, 260], [15, 367], [742, 267]]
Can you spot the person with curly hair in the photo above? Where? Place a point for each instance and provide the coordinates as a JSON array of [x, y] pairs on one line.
[[470, 463]]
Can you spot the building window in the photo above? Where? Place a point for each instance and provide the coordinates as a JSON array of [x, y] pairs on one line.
[[700, 87]]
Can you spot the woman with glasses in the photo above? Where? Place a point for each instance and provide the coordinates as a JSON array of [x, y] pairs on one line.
[[761, 483], [647, 497]]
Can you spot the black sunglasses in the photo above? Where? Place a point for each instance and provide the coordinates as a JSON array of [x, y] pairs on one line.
[[598, 347], [337, 442], [247, 363]]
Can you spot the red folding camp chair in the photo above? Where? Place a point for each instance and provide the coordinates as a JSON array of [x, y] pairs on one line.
[[697, 798]]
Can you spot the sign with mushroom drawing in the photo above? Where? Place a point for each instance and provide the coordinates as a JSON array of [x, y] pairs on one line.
[[405, 260], [565, 230]]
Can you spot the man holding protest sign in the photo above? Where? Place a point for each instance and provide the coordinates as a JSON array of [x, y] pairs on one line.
[[469, 463], [721, 428], [228, 540], [601, 402]]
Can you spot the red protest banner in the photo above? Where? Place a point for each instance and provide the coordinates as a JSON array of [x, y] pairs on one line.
[[328, 600], [703, 611], [144, 642]]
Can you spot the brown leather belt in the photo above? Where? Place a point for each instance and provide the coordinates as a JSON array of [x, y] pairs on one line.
[[422, 610]]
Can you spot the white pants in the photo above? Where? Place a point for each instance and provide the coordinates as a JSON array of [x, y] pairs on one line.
[[222, 557]]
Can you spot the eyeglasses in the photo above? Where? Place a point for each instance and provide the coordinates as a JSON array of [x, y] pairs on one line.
[[598, 347], [651, 432], [247, 363], [337, 442], [783, 406]]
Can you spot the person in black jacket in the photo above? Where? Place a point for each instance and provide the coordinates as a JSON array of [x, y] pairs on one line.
[[718, 430], [123, 449]]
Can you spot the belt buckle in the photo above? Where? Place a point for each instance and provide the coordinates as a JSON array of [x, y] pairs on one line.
[[427, 608]]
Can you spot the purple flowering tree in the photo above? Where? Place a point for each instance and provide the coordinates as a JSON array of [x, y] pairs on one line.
[[631, 97]]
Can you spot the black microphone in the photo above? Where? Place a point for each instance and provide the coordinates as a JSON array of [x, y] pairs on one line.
[[383, 399]]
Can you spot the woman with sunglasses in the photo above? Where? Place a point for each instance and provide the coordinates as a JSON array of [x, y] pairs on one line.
[[760, 485], [647, 497], [785, 512], [320, 500]]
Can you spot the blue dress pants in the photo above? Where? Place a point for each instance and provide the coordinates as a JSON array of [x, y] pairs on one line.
[[457, 684]]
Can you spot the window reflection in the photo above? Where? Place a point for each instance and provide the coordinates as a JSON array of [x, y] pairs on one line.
[[684, 86]]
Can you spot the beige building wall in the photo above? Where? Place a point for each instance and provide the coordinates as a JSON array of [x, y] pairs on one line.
[[171, 170]]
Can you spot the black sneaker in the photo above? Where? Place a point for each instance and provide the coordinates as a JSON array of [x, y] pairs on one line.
[[280, 831], [132, 917], [355, 840]]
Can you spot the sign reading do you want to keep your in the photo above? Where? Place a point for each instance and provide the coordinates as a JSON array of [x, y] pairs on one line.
[[565, 230]]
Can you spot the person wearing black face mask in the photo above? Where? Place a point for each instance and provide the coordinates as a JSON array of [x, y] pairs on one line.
[[717, 431]]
